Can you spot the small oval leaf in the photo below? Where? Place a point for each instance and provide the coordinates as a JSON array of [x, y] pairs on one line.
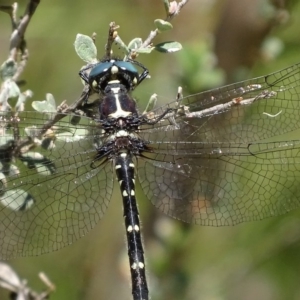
[[85, 48], [8, 278], [135, 44], [168, 47], [151, 103], [8, 69], [17, 200], [162, 25], [145, 50], [21, 100], [166, 5], [14, 90], [47, 105], [121, 44]]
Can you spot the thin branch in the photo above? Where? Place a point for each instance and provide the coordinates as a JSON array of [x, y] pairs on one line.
[[169, 17], [22, 64], [220, 108], [179, 7], [10, 281], [112, 33], [17, 42]]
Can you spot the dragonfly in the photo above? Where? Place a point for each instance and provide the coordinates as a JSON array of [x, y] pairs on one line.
[[215, 158]]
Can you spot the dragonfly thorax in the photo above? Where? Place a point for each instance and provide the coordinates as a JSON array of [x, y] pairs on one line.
[[116, 102]]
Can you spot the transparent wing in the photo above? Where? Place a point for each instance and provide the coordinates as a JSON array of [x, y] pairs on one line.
[[214, 162], [49, 194], [246, 111]]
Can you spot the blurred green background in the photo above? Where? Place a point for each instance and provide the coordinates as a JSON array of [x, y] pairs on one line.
[[259, 260]]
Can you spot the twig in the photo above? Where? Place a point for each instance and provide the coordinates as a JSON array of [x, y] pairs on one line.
[[179, 7], [19, 55], [10, 280], [220, 108], [169, 17], [111, 37], [62, 110], [17, 41]]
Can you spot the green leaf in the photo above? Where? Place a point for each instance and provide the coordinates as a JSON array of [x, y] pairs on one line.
[[85, 48], [168, 47], [14, 90], [162, 25], [8, 69], [21, 100], [16, 199], [121, 44], [166, 5], [47, 105], [145, 50], [135, 44], [151, 103]]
